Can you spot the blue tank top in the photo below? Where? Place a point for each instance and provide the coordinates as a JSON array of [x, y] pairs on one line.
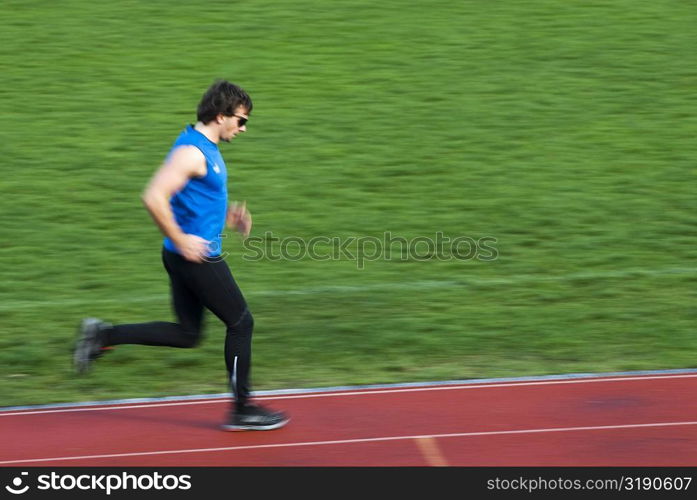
[[200, 207]]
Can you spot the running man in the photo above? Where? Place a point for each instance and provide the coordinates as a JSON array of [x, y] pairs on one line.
[[188, 200]]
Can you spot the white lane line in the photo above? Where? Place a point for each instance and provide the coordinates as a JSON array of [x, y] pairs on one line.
[[357, 393], [351, 441], [402, 285]]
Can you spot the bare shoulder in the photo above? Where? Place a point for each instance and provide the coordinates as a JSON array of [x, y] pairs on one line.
[[188, 160]]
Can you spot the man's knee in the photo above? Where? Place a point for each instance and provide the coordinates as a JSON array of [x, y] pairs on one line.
[[245, 324], [190, 338]]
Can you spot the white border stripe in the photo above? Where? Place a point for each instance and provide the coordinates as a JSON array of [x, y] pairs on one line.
[[356, 392], [279, 392], [352, 441]]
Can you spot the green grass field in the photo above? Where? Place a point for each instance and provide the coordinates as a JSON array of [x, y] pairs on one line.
[[565, 130]]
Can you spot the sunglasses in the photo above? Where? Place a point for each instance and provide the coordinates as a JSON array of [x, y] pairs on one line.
[[241, 120]]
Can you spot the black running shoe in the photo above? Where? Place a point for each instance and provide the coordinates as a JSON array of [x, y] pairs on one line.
[[255, 418], [89, 344]]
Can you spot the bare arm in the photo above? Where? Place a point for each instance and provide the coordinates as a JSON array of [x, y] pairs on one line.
[[239, 218], [184, 163]]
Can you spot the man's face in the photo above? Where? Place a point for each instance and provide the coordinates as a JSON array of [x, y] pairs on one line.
[[231, 126]]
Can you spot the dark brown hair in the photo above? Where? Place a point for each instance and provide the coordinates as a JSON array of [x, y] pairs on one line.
[[224, 98]]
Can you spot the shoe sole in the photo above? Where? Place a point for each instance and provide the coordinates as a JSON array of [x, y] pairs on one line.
[[234, 428], [81, 356]]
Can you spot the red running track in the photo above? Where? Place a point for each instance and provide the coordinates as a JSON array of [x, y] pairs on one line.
[[609, 421]]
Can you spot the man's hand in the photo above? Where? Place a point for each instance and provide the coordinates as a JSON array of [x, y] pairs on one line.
[[193, 248], [239, 218]]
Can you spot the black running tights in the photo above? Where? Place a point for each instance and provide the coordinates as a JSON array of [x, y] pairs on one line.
[[196, 286]]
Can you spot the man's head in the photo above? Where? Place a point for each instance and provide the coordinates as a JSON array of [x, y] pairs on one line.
[[227, 106]]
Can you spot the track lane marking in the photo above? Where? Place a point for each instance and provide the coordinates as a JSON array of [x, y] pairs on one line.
[[350, 441], [431, 452]]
